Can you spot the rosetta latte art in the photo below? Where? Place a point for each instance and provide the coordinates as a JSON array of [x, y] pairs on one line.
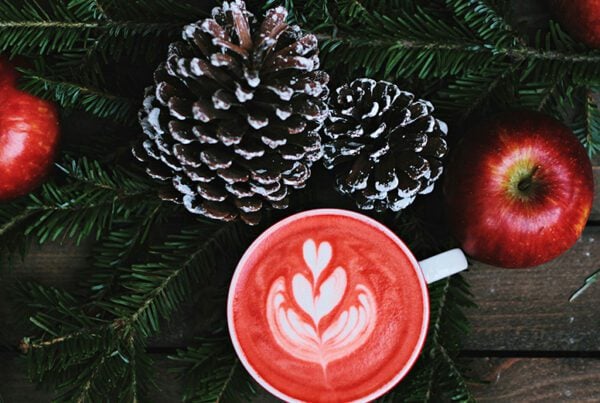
[[295, 317]]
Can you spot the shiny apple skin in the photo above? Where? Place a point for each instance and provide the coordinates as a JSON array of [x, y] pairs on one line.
[[580, 18], [496, 222], [29, 133]]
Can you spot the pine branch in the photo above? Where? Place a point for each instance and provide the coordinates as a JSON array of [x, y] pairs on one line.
[[466, 44], [212, 373], [156, 289], [118, 248], [98, 331], [81, 354], [92, 198], [28, 27], [101, 329], [466, 94], [432, 58], [437, 314], [71, 95], [416, 44], [586, 124], [458, 386], [489, 25], [32, 29], [82, 201], [553, 95]]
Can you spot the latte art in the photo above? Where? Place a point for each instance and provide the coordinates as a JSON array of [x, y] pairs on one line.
[[294, 318], [327, 306]]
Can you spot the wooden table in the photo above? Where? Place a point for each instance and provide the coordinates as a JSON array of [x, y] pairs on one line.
[[528, 342]]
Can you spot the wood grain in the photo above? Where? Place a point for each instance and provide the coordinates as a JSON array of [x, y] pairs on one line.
[[14, 385], [528, 309], [536, 380]]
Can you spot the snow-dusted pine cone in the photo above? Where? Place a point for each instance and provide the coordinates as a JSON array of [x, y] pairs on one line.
[[385, 147], [232, 121]]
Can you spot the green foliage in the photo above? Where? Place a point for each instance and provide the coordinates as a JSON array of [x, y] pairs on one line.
[[586, 123], [86, 357], [60, 25], [212, 373], [79, 41], [84, 346], [73, 95], [82, 200], [154, 289], [468, 48], [485, 21], [171, 11], [32, 29]]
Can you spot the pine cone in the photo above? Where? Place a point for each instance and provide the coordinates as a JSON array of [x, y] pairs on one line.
[[384, 145], [232, 121]]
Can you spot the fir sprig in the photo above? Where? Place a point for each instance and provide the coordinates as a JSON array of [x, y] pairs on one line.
[[82, 200], [108, 333], [101, 352], [211, 372], [31, 29], [586, 123], [73, 95]]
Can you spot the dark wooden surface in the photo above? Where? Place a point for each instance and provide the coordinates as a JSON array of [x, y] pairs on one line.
[[537, 379], [529, 309]]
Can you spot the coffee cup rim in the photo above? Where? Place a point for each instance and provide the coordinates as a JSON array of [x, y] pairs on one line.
[[338, 212]]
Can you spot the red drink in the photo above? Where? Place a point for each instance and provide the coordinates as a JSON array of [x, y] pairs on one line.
[[328, 306]]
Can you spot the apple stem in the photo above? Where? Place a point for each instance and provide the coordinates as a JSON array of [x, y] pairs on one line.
[[525, 183]]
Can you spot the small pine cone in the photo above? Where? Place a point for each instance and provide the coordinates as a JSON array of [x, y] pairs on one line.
[[232, 121], [384, 146]]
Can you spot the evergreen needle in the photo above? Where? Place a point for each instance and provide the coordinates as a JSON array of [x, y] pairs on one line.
[[586, 284]]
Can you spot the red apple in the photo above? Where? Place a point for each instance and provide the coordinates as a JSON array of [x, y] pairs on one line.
[[519, 190], [580, 18], [28, 137]]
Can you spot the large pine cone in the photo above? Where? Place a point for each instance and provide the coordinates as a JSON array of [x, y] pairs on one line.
[[233, 118], [384, 145]]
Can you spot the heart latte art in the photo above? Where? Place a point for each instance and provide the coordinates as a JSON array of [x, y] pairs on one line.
[[294, 317]]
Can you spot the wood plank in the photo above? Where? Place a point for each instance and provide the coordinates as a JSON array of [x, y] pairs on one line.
[[15, 387], [528, 309], [536, 379]]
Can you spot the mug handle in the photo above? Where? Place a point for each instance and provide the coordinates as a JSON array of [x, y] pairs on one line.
[[443, 265]]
